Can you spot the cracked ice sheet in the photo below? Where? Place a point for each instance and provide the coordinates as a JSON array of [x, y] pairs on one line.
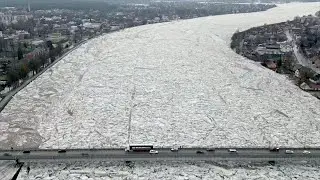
[[168, 170], [7, 169], [179, 82]]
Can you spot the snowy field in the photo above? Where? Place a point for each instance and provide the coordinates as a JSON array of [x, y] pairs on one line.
[[167, 84]]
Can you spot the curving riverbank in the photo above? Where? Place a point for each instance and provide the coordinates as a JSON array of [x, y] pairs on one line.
[[13, 92], [171, 83], [282, 47]]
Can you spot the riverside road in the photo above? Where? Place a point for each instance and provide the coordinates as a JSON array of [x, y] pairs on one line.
[[255, 154]]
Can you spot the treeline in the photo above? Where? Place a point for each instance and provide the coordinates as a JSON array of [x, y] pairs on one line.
[[115, 5], [236, 38], [62, 4], [21, 68], [188, 9]]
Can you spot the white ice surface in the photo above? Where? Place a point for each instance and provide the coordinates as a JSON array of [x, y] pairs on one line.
[[188, 88], [172, 170], [165, 84], [7, 170]]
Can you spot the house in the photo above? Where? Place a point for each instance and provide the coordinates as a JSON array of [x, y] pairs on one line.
[[137, 22], [22, 17], [313, 29], [156, 20], [114, 27], [285, 47], [56, 37], [23, 35], [35, 53], [268, 52], [296, 30], [95, 26], [273, 46], [38, 43], [6, 18], [165, 18], [9, 18], [7, 44], [62, 30]]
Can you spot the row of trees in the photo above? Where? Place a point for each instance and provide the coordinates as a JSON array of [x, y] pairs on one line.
[[21, 69]]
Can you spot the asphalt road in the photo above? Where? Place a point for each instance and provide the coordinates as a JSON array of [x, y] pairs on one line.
[[299, 56], [163, 154]]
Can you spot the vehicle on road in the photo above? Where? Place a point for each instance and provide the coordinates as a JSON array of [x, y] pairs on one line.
[[275, 149], [210, 149], [62, 151], [26, 152], [141, 147], [289, 152], [199, 152], [153, 152], [174, 149], [272, 163], [306, 152], [232, 151], [85, 154], [6, 154]]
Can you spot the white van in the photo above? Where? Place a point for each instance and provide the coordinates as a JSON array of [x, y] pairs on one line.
[[289, 152], [232, 151]]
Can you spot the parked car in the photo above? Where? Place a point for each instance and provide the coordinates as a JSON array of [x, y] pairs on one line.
[[210, 149], [62, 151], [272, 163], [275, 149], [153, 152], [306, 152], [199, 152], [289, 152], [232, 151], [85, 154], [174, 149]]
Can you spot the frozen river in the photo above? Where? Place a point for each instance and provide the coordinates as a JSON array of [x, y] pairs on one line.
[[165, 84]]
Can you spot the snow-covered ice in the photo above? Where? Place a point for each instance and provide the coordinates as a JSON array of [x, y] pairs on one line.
[[7, 169], [165, 84], [169, 170], [174, 83]]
